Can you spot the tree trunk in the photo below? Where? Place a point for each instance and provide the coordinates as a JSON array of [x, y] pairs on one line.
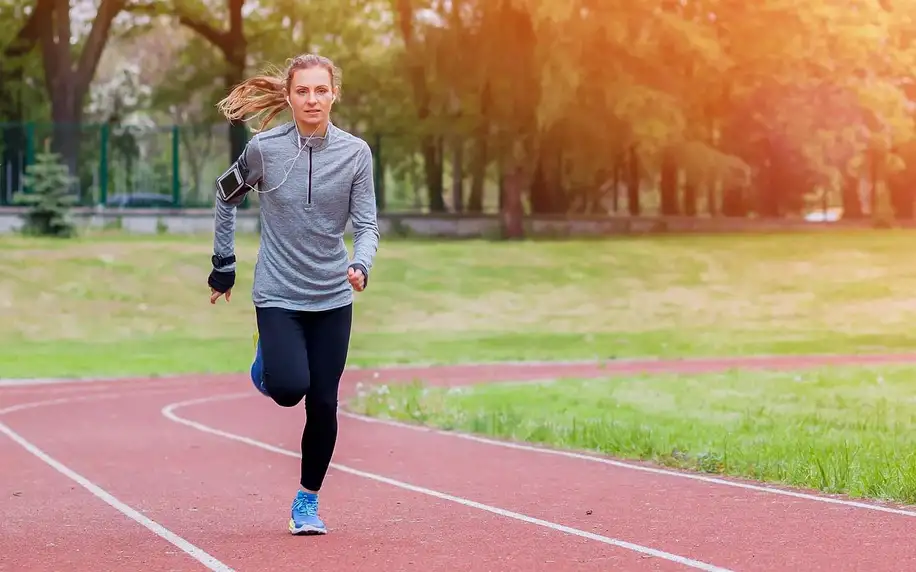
[[432, 167], [540, 188], [481, 154], [430, 147], [511, 213], [769, 188], [11, 68], [901, 196], [67, 86], [668, 184], [711, 206], [235, 58], [234, 47], [690, 197], [615, 197], [852, 204], [734, 203], [633, 180], [458, 174]]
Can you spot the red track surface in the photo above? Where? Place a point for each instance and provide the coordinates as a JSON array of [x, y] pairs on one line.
[[214, 478]]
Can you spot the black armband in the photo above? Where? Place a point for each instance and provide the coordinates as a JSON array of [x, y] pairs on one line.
[[232, 184]]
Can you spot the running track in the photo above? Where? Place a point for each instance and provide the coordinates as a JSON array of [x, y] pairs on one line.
[[198, 473]]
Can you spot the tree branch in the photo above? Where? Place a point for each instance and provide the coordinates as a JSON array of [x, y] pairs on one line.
[[152, 8], [95, 43], [218, 38], [30, 33], [52, 62]]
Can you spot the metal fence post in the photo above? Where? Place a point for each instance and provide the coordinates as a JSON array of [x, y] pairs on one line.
[[176, 173], [378, 174], [103, 164], [29, 152]]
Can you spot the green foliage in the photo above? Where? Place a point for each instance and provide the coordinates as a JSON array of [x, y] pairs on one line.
[[771, 99], [50, 198]]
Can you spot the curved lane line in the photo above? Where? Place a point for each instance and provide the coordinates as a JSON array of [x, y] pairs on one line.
[[169, 412]]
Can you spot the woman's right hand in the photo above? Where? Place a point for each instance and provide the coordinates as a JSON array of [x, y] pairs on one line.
[[221, 283], [215, 294]]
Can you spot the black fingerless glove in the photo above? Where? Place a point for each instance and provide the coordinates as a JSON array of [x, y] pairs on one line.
[[361, 268], [221, 281]]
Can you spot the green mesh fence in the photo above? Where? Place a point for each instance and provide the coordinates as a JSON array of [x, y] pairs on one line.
[[175, 166], [121, 165]]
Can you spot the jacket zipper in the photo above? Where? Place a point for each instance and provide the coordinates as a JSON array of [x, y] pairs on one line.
[[310, 177]]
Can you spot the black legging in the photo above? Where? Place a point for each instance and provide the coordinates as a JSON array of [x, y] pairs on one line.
[[304, 355]]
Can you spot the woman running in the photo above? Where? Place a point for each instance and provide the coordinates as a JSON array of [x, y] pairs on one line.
[[311, 177]]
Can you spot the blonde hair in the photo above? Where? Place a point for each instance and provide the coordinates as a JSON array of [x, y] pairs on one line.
[[267, 93]]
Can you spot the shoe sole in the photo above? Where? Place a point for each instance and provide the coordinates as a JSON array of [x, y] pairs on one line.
[[306, 530]]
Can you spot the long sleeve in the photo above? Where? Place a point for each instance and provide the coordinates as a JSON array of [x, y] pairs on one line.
[[251, 167], [363, 212]]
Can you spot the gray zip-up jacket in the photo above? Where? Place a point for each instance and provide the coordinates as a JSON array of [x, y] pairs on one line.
[[302, 261]]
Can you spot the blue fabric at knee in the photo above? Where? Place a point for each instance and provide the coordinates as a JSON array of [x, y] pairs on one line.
[[257, 366]]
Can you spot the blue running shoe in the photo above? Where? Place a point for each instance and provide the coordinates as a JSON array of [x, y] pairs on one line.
[[257, 367], [304, 515]]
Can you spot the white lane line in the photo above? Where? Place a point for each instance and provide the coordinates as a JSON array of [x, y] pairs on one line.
[[83, 397], [39, 382], [191, 550], [169, 412], [62, 401], [48, 402], [631, 466]]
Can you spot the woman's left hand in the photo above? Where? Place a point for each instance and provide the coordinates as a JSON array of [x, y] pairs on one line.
[[356, 278]]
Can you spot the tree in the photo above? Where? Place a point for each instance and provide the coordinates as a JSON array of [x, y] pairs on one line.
[[50, 199], [12, 66], [68, 81], [229, 40], [13, 95]]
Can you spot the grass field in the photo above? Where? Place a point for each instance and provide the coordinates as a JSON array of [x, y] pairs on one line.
[[838, 430], [112, 304]]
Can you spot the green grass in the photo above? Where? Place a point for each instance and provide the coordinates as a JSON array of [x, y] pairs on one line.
[[837, 430], [115, 304]]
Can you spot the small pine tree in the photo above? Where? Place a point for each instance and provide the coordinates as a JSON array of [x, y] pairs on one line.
[[50, 198]]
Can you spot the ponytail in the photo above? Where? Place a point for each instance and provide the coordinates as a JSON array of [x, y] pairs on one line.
[[267, 93], [255, 96]]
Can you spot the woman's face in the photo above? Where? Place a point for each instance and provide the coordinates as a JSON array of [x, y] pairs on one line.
[[311, 97]]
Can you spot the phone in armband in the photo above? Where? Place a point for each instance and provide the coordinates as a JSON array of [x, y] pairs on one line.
[[231, 183]]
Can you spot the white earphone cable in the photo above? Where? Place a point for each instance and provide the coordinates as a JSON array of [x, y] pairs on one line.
[[294, 159]]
